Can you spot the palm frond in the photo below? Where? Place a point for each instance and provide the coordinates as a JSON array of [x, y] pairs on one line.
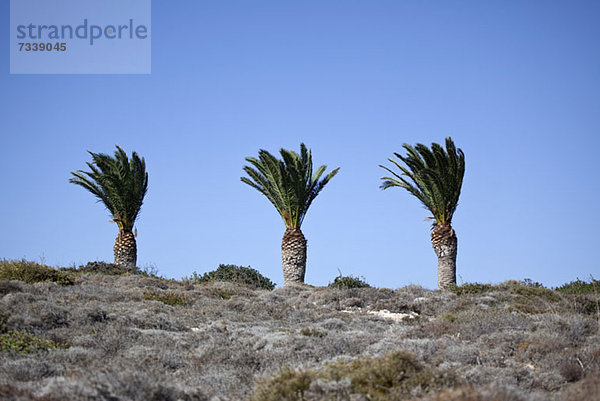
[[433, 175], [119, 182], [288, 183]]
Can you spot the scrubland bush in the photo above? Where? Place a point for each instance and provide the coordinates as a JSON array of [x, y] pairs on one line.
[[471, 288], [345, 282], [392, 377], [24, 342], [525, 296], [8, 286], [288, 385], [532, 299], [579, 287], [532, 290], [232, 273], [113, 269], [169, 298], [100, 267], [31, 272]]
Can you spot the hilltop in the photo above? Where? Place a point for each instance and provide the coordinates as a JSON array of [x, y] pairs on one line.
[[94, 336]]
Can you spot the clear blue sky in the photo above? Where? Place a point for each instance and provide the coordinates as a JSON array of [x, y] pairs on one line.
[[516, 84]]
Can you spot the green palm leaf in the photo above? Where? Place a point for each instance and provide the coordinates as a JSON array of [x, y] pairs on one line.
[[434, 176], [288, 183], [119, 182]]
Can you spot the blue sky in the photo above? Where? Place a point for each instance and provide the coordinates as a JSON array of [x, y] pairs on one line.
[[516, 85]]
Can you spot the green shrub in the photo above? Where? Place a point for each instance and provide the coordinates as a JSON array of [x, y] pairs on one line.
[[585, 304], [23, 342], [471, 288], [579, 287], [288, 385], [530, 283], [530, 298], [345, 282], [527, 308], [100, 267], [531, 292], [31, 272], [3, 328], [449, 318], [235, 274], [222, 293], [169, 298], [112, 269], [391, 377]]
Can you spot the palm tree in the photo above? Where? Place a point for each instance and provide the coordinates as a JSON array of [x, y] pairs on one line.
[[120, 183], [435, 177], [291, 186]]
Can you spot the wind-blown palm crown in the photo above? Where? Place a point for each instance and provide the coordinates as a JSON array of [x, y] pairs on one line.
[[291, 186], [120, 183], [435, 177]]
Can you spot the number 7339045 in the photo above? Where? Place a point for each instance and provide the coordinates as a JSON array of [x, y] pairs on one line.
[[42, 47]]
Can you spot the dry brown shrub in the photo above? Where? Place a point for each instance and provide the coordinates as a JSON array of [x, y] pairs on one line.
[[537, 348], [435, 328], [571, 370]]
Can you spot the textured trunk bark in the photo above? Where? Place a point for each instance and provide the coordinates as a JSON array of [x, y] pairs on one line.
[[125, 250], [293, 256], [445, 245]]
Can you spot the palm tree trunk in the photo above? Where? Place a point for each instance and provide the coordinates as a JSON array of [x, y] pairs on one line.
[[445, 245], [293, 256], [125, 250]]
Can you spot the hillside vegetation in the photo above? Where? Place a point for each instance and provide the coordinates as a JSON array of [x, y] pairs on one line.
[[80, 334]]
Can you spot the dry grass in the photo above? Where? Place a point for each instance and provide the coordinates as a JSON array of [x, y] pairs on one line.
[[506, 342]]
